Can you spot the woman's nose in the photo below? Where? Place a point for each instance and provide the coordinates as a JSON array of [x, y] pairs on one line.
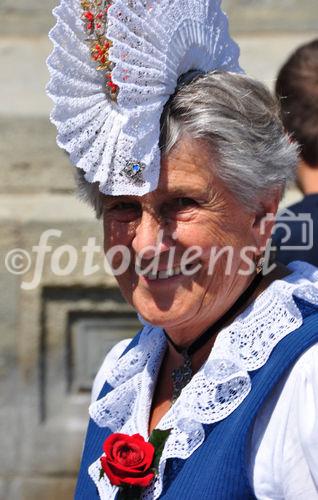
[[149, 238]]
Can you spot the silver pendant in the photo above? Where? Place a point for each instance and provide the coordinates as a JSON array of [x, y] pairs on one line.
[[181, 376]]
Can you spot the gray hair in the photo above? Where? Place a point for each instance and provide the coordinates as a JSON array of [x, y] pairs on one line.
[[240, 120]]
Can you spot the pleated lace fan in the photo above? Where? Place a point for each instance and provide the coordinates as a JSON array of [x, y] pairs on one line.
[[152, 43]]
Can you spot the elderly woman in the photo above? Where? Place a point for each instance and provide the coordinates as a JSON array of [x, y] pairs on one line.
[[244, 422], [216, 396]]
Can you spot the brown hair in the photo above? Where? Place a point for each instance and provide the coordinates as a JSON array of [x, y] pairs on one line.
[[297, 90]]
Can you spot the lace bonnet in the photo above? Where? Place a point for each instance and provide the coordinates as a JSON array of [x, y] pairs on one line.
[[114, 65]]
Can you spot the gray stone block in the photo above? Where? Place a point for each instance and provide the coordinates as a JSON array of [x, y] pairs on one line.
[[255, 16], [31, 161], [24, 75], [40, 488], [27, 18]]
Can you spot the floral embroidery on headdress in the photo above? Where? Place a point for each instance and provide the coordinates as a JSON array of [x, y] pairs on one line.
[[94, 17]]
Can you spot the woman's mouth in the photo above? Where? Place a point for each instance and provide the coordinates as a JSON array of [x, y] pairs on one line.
[[163, 274], [169, 273]]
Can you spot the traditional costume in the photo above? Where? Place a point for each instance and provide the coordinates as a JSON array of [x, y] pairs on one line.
[[235, 433]]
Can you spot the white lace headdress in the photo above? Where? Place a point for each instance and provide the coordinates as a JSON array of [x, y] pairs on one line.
[[109, 120]]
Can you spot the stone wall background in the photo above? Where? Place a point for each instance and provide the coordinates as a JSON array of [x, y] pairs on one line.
[[45, 364]]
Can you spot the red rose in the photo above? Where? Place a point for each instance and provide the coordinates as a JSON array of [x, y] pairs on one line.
[[128, 460]]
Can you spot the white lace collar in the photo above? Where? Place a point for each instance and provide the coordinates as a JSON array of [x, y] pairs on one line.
[[216, 390]]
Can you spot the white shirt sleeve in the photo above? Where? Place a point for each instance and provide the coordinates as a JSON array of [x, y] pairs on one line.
[[284, 441], [108, 364]]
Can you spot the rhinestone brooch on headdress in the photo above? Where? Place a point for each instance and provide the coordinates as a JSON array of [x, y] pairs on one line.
[[133, 170]]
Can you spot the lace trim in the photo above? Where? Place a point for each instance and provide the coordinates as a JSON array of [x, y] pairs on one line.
[[216, 390]]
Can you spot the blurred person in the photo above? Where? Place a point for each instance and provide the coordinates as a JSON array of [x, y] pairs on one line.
[[297, 91]]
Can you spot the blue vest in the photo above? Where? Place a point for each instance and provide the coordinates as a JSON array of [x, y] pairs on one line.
[[217, 470]]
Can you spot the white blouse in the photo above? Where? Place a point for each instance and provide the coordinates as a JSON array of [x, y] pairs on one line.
[[283, 454]]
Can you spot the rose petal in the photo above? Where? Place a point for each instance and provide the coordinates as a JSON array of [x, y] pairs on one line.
[[149, 452], [109, 442], [130, 456], [129, 478], [114, 480], [138, 437], [123, 448], [121, 470], [141, 481]]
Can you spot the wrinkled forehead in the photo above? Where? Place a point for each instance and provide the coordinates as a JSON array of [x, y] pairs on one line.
[[191, 161]]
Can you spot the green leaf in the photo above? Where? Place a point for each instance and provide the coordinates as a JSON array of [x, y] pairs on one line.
[[157, 439], [101, 474]]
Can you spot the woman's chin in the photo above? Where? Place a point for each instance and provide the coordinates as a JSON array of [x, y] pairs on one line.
[[162, 318], [167, 306]]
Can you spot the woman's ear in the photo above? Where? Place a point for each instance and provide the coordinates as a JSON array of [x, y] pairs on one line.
[[264, 219]]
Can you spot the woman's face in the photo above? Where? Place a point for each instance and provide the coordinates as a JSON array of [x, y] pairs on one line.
[[190, 215]]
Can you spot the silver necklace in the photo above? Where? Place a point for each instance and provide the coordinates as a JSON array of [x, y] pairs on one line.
[[182, 375]]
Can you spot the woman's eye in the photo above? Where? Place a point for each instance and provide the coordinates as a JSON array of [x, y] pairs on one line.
[[125, 206], [182, 203], [125, 211], [180, 208]]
